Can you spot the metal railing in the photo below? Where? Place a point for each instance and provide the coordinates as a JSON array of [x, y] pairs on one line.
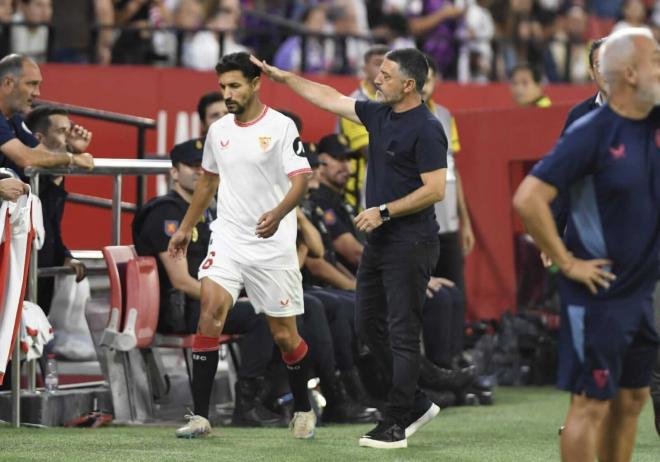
[[141, 123], [117, 168]]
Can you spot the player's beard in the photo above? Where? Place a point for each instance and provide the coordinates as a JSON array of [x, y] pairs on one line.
[[649, 93], [235, 108]]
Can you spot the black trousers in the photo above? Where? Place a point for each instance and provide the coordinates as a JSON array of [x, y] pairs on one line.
[[391, 291], [314, 328], [444, 323], [450, 265], [655, 378]]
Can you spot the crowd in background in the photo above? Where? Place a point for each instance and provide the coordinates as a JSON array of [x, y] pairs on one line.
[[472, 40]]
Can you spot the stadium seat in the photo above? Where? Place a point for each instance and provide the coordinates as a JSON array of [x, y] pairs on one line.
[[116, 257]]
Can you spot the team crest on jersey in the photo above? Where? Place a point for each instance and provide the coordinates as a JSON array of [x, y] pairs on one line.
[[224, 144], [264, 142], [170, 227]]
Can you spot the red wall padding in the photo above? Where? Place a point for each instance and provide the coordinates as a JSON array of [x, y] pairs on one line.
[[494, 135]]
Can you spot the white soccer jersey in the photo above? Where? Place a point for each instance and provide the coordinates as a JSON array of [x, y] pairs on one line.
[[254, 161]]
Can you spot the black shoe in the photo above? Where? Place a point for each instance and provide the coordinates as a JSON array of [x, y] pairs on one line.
[[341, 408], [249, 411], [424, 412], [387, 435]]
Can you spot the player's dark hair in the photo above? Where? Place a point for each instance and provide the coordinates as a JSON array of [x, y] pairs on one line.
[[38, 120], [238, 62], [12, 65], [535, 71], [595, 45], [206, 100], [412, 64]]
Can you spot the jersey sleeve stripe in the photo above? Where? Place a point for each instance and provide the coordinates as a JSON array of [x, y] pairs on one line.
[[206, 172], [300, 171]]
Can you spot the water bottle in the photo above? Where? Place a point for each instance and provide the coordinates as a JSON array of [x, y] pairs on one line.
[[51, 381]]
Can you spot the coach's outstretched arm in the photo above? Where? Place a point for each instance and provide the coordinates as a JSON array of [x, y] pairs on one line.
[[318, 94], [532, 202], [206, 188]]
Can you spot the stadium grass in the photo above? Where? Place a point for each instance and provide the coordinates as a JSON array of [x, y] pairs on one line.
[[521, 427]]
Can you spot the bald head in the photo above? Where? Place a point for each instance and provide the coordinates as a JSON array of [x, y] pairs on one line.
[[620, 52]]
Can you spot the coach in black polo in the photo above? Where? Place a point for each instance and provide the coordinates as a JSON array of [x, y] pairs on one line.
[[405, 176]]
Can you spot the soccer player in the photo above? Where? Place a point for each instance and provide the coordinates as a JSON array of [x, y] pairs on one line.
[[255, 160], [406, 175], [609, 161]]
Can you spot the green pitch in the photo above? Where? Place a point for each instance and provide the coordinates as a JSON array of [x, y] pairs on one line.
[[520, 427]]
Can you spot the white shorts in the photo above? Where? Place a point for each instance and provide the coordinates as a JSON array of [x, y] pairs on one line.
[[275, 292]]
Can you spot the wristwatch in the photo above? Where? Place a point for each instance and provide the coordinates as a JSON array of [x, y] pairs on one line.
[[384, 213]]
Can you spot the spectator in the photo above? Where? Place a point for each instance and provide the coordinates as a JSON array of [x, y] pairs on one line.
[[20, 80], [72, 20], [6, 10], [6, 13], [204, 50], [526, 87], [32, 41], [187, 15], [180, 290], [133, 46], [56, 132], [436, 25], [524, 41], [634, 15], [476, 50], [392, 30], [348, 18], [318, 56], [569, 51]]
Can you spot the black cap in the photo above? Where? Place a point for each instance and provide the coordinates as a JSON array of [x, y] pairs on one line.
[[311, 152], [189, 152], [336, 146]]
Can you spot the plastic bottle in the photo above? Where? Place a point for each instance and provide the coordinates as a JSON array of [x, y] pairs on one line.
[[51, 381]]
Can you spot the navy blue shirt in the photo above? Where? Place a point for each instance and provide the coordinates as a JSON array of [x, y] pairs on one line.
[[610, 167], [11, 128], [402, 146]]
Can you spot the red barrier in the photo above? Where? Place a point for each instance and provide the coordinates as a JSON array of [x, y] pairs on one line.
[[494, 135]]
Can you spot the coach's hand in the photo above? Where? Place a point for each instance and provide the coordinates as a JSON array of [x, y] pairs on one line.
[[178, 245], [268, 224], [275, 74], [78, 266], [591, 273], [368, 220]]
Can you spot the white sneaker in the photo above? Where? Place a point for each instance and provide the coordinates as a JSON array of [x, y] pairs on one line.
[[303, 424], [197, 426]]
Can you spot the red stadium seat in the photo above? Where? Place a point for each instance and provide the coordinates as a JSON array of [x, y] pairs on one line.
[[135, 297], [116, 257]]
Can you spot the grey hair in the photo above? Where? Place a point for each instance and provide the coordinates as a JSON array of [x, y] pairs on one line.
[[12, 65], [618, 51]]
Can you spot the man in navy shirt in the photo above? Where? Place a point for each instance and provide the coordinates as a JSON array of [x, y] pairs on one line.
[[609, 162], [406, 174], [20, 79]]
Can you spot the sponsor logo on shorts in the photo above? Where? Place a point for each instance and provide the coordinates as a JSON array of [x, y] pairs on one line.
[[601, 377], [284, 302]]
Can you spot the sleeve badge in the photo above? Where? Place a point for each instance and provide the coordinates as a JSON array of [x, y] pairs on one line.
[[170, 227]]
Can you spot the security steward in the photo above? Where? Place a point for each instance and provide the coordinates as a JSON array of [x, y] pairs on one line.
[[180, 290]]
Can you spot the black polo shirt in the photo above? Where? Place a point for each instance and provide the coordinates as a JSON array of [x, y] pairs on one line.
[[11, 128], [402, 146], [338, 217], [153, 227]]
